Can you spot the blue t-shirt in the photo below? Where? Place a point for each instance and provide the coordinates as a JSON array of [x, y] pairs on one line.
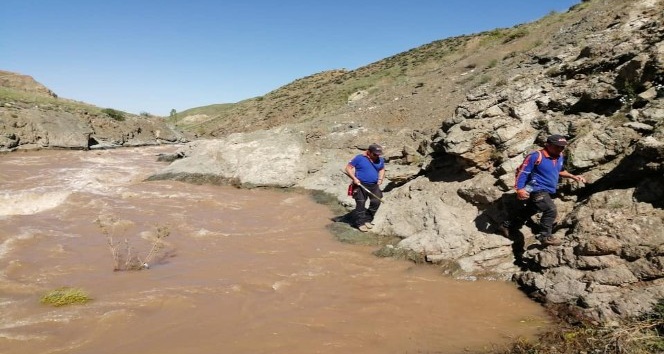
[[542, 177], [365, 169]]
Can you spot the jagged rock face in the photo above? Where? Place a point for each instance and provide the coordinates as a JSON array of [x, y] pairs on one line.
[[34, 128], [605, 93], [608, 98], [612, 261]]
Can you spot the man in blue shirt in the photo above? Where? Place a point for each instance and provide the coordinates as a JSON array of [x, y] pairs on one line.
[[367, 169], [536, 181]]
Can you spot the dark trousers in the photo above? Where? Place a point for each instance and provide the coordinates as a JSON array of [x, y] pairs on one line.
[[538, 202], [362, 214]]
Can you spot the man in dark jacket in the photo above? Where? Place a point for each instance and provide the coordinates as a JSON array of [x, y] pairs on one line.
[[536, 181], [367, 169]]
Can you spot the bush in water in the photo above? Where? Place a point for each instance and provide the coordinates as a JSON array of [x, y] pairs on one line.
[[65, 296], [123, 257]]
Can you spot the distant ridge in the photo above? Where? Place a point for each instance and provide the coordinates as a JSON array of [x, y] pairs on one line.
[[24, 83]]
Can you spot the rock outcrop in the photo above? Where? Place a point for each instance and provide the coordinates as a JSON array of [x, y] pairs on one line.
[[601, 85], [33, 117]]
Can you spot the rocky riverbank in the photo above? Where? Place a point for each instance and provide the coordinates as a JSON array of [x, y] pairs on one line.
[[446, 193]]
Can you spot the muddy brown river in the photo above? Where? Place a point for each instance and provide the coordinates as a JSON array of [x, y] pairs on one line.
[[242, 271]]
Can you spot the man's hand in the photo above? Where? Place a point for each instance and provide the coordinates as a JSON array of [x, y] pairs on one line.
[[522, 194], [579, 179], [566, 174]]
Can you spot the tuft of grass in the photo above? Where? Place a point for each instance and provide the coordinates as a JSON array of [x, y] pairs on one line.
[[400, 253], [65, 296], [515, 33], [642, 335]]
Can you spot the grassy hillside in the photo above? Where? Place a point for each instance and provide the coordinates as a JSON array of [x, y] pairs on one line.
[[13, 97]]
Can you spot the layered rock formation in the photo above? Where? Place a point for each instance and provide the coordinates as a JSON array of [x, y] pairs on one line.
[[447, 192]]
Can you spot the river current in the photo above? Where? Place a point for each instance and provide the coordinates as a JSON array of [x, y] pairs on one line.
[[241, 271]]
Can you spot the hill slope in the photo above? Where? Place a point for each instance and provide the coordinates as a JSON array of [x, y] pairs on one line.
[[416, 89]]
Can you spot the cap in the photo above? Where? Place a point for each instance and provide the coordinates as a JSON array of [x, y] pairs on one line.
[[376, 149], [556, 139]]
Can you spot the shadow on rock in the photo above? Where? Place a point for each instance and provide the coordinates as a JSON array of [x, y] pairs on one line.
[[495, 213]]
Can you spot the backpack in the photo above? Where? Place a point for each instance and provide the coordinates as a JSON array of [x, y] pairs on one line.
[[518, 169]]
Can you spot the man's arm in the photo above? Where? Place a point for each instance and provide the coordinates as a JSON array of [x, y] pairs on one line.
[[566, 174], [525, 169], [381, 175], [350, 169]]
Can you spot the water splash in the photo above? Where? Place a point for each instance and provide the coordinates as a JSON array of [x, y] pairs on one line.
[[29, 202]]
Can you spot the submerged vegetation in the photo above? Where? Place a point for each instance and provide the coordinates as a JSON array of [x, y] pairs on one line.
[[123, 254], [65, 296]]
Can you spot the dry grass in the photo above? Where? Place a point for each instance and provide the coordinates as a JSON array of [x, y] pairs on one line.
[[124, 257], [11, 96], [642, 335]]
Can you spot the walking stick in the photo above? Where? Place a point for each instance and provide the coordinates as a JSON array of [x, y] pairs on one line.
[[363, 187]]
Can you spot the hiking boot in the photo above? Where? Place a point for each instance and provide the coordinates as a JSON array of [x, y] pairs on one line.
[[368, 225], [363, 228], [550, 240]]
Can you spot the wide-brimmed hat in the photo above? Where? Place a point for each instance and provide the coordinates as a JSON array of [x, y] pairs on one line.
[[557, 140]]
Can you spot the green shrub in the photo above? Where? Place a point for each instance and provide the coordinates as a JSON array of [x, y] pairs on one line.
[[515, 34], [65, 296], [115, 114]]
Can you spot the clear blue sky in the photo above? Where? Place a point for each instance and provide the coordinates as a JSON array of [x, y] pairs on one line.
[[153, 56]]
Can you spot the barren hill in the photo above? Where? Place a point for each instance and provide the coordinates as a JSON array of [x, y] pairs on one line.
[[24, 83], [414, 90]]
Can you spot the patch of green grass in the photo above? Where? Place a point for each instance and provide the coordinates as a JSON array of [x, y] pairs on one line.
[[515, 33], [616, 204], [493, 35], [115, 114], [65, 296], [345, 233], [483, 79], [400, 253]]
